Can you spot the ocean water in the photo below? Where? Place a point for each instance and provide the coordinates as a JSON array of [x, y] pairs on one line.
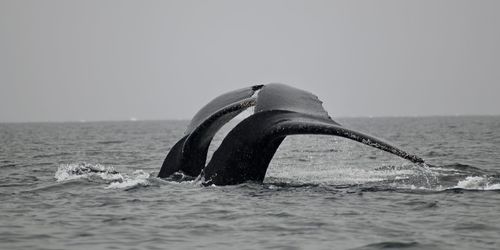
[[93, 185]]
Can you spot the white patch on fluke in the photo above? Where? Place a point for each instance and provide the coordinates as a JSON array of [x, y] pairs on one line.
[[477, 183]]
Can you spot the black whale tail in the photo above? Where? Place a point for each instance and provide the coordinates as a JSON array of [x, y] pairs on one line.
[[189, 154], [245, 153], [245, 156]]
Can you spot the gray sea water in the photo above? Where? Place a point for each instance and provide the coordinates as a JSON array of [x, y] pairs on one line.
[[93, 185]]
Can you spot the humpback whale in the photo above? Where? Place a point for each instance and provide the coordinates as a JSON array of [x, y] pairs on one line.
[[245, 153]]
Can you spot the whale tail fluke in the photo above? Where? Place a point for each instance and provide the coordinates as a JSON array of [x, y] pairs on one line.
[[245, 156], [245, 153], [189, 154]]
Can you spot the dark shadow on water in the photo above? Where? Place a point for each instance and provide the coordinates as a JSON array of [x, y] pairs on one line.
[[396, 245]]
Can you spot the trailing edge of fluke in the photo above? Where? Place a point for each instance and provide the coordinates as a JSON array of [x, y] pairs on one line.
[[245, 153]]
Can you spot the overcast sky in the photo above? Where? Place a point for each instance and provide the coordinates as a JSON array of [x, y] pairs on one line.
[[113, 60]]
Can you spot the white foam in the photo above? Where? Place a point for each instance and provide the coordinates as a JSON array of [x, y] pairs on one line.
[[477, 183], [74, 171], [138, 178], [116, 180]]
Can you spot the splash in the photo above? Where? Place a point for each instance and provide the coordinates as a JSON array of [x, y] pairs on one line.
[[75, 171], [400, 176], [99, 173], [138, 178], [429, 179], [477, 183]]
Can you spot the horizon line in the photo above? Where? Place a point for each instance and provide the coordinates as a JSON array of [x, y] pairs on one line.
[[188, 119]]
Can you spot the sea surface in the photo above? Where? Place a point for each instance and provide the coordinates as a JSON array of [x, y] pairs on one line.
[[93, 185]]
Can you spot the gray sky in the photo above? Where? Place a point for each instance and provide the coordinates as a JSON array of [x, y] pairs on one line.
[[112, 60]]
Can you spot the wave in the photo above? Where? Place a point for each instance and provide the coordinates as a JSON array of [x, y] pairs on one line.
[[110, 142], [51, 155]]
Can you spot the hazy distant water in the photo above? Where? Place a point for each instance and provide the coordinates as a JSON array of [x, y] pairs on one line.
[[321, 192]]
